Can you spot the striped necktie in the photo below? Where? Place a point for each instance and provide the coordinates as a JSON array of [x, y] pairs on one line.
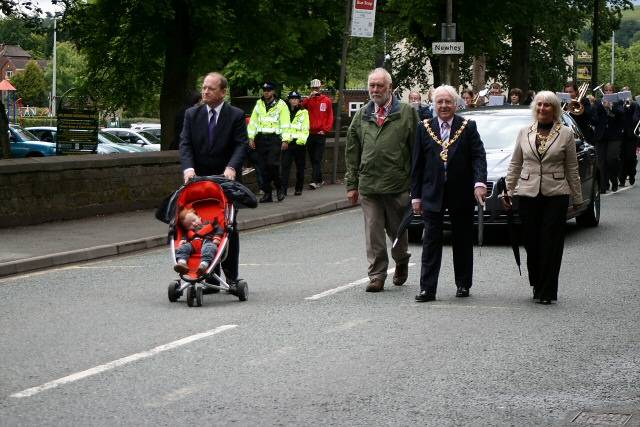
[[444, 131]]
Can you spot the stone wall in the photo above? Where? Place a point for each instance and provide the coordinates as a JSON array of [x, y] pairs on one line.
[[37, 190]]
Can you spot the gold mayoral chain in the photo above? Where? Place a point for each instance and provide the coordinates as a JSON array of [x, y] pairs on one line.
[[544, 140], [444, 144]]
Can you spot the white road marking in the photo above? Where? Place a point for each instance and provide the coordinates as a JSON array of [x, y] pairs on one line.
[[120, 362], [347, 286]]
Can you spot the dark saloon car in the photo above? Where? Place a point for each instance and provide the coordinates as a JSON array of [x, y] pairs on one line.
[[498, 128]]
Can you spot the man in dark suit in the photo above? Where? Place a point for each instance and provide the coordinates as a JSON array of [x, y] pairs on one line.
[[449, 170], [214, 142]]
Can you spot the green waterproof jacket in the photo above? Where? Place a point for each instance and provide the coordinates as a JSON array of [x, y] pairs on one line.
[[378, 158]]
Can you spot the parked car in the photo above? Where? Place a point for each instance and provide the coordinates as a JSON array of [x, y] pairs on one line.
[[25, 144], [130, 136], [147, 133], [498, 128], [107, 143], [152, 128]]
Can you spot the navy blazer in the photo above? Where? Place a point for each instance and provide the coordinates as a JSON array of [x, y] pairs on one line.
[[230, 143], [466, 165]]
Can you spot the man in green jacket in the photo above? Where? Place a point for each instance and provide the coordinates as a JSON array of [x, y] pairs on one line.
[[378, 161]]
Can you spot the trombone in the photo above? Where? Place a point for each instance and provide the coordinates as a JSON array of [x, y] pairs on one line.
[[636, 131], [575, 106]]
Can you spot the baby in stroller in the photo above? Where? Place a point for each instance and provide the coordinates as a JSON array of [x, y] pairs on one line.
[[208, 232]]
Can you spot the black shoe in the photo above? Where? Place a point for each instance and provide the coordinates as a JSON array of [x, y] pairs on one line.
[[622, 181], [614, 188], [544, 301], [632, 180], [298, 193], [267, 198], [281, 194], [423, 296], [462, 292]]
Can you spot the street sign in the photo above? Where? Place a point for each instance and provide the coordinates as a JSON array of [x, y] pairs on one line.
[[447, 48], [363, 18]]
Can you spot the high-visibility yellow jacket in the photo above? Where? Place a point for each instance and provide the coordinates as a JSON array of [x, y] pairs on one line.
[[299, 127], [275, 121]]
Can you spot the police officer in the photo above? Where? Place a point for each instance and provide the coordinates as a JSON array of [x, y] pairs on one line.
[[295, 150], [268, 131]]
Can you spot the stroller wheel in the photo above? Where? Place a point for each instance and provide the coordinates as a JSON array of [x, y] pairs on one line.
[[242, 290], [199, 296], [173, 291], [190, 295]]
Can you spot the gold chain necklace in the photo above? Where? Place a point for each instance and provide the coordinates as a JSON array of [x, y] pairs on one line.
[[544, 140], [444, 144]]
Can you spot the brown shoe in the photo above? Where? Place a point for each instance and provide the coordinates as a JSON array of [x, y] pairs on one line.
[[375, 285], [401, 274]]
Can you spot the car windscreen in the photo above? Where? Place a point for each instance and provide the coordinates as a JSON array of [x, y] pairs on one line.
[[111, 137], [150, 137], [25, 135], [499, 131]]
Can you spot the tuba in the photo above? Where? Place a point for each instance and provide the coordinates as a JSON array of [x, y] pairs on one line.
[[575, 106]]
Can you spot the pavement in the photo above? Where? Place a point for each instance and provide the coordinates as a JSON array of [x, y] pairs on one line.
[[57, 243]]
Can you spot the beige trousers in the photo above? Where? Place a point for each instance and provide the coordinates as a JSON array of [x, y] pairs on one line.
[[383, 213]]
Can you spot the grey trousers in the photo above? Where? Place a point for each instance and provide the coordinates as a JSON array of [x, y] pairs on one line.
[[383, 213]]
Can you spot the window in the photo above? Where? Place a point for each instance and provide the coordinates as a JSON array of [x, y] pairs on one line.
[[9, 74], [354, 107]]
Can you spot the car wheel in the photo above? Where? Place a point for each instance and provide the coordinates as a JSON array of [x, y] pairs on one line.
[[415, 234], [591, 217]]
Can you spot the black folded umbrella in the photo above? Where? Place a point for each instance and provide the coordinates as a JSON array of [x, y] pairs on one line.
[[406, 220], [513, 237], [501, 188]]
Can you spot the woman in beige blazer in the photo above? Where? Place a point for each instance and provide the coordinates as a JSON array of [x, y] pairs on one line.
[[543, 173]]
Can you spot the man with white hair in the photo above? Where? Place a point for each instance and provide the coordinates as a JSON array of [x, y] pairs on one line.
[[378, 167], [449, 171]]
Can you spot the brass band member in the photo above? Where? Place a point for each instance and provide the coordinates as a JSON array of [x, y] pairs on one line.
[[608, 139], [584, 120]]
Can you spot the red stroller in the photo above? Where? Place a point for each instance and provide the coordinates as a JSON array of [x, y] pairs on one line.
[[208, 199]]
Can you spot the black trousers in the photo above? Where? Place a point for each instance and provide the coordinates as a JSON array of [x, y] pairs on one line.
[[294, 153], [543, 222], [269, 148], [608, 153], [628, 159], [461, 242], [315, 147]]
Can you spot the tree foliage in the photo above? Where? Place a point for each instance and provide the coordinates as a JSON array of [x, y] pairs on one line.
[[30, 85], [135, 48], [525, 43], [70, 68]]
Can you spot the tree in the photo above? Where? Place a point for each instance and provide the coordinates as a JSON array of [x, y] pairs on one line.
[[71, 68], [525, 43], [135, 47], [30, 84]]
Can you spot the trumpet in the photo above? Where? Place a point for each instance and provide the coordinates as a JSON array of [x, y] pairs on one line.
[[575, 106]]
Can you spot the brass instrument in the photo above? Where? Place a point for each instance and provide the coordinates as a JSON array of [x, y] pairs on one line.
[[599, 88], [480, 94], [636, 131], [575, 106]]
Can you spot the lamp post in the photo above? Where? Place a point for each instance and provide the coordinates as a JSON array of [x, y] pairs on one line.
[[53, 87]]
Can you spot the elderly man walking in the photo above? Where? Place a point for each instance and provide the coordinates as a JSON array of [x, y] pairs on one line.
[[378, 163], [449, 173]]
